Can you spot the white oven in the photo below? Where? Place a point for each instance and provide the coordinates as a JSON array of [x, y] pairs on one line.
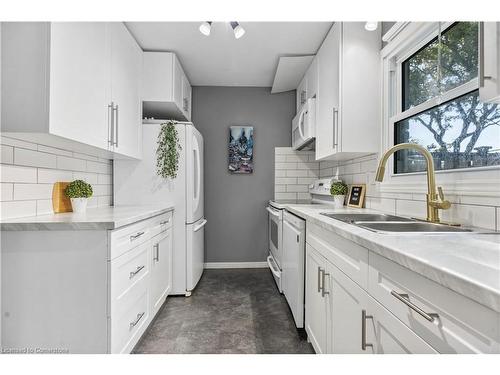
[[275, 243], [304, 126]]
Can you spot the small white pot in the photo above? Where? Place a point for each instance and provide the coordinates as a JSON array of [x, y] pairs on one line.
[[79, 205], [339, 200]]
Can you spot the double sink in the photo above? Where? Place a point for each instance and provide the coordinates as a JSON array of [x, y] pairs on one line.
[[382, 223]]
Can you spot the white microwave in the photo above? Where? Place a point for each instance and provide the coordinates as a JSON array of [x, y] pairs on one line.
[[304, 126]]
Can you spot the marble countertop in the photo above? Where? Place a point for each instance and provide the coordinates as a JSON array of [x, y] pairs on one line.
[[99, 218], [468, 263]]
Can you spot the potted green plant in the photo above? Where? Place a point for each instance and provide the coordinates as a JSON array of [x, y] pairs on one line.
[[78, 192], [167, 152], [338, 190]]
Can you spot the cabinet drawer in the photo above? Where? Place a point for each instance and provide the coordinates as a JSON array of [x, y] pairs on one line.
[[124, 239], [130, 317], [128, 269], [461, 325], [349, 257], [161, 223]]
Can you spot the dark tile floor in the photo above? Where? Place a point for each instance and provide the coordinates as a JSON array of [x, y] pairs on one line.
[[231, 311]]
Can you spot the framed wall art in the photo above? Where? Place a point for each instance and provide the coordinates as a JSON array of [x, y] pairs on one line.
[[240, 147]]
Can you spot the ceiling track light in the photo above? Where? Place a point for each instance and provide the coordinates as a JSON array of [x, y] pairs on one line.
[[237, 29], [371, 26], [205, 28]]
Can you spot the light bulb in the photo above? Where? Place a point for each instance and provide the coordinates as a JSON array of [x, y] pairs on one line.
[[237, 29], [371, 26], [205, 28]]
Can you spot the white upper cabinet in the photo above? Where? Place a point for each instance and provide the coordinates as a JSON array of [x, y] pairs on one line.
[[166, 88], [489, 69], [308, 86], [348, 97], [126, 73], [60, 79]]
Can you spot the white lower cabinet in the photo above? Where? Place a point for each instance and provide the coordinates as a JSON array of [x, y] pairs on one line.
[[161, 269], [395, 311], [317, 300]]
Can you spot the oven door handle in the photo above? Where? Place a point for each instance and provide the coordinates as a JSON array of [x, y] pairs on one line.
[[272, 212], [271, 267]]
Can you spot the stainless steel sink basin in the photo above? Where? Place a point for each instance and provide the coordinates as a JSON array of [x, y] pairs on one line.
[[353, 218], [411, 227]]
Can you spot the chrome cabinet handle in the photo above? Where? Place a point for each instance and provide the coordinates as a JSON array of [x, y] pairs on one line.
[[136, 236], [157, 250], [137, 270], [164, 222], [364, 344], [139, 317], [111, 129], [323, 292], [116, 124], [405, 298], [319, 279], [335, 127]]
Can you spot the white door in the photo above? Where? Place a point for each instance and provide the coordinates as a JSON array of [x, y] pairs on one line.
[[194, 174], [312, 79], [389, 335], [293, 270], [178, 73], [316, 301], [328, 97], [195, 252], [161, 270], [79, 82], [126, 70], [348, 303]]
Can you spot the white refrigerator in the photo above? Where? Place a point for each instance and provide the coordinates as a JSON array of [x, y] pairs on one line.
[[137, 183]]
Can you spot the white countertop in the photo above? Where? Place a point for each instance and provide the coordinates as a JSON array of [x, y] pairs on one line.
[[468, 263], [99, 218]]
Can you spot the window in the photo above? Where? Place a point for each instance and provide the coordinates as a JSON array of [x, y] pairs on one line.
[[440, 107]]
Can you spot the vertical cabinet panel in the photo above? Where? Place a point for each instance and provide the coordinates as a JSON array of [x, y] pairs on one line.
[[328, 102], [186, 97], [79, 82], [126, 68], [302, 93], [489, 71], [316, 303]]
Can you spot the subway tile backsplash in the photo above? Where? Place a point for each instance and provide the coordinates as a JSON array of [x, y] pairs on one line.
[[29, 170], [483, 212], [294, 171]]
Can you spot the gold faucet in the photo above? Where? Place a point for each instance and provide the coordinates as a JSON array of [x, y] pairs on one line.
[[435, 201]]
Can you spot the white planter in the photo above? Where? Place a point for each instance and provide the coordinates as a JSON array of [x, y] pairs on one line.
[[79, 205], [339, 200]]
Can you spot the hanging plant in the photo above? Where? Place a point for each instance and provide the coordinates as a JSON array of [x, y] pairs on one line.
[[167, 153]]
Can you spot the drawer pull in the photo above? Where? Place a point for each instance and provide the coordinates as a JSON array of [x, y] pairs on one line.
[[136, 236], [405, 298], [164, 222], [364, 344], [323, 291], [133, 273], [139, 317]]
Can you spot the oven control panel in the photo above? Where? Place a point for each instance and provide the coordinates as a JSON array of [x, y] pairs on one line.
[[322, 186]]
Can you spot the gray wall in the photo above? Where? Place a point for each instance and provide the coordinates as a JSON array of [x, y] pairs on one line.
[[235, 204]]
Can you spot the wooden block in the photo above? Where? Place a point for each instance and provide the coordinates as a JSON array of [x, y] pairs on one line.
[[60, 202]]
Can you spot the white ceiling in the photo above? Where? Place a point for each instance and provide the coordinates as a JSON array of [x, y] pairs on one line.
[[222, 60]]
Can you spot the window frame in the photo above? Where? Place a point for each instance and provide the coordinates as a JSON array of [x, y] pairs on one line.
[[406, 39]]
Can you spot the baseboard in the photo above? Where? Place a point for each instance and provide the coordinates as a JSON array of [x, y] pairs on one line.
[[221, 265]]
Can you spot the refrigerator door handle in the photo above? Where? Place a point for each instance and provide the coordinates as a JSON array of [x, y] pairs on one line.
[[197, 171], [199, 226]]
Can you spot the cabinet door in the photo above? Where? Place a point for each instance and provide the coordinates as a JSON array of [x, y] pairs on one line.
[[161, 270], [348, 303], [388, 335], [328, 103], [79, 82], [186, 98], [177, 81], [126, 68], [312, 79], [302, 93], [316, 301], [489, 72]]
